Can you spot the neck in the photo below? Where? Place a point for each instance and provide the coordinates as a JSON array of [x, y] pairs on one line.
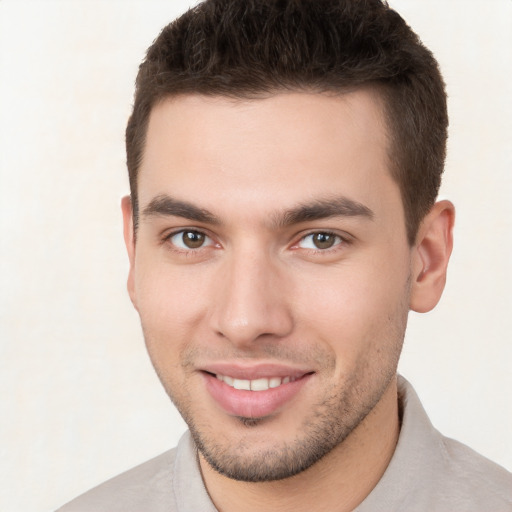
[[338, 482]]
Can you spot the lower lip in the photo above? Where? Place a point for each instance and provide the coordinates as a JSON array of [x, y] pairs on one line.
[[252, 404]]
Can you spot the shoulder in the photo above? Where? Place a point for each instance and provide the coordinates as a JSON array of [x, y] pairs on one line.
[[430, 472], [472, 480], [146, 487], [448, 475], [170, 482]]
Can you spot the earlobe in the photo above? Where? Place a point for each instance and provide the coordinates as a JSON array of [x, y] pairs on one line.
[[432, 252], [129, 240]]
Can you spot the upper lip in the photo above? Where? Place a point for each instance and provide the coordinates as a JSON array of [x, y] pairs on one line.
[[254, 371]]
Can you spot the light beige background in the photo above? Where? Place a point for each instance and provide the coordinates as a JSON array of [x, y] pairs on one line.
[[79, 400]]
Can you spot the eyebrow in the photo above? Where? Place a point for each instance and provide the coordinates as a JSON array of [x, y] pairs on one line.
[[164, 205], [322, 209]]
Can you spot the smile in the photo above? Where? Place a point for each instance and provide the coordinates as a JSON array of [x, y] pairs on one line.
[[267, 392], [255, 385]]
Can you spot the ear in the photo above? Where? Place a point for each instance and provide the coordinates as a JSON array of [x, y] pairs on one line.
[[129, 240], [431, 253]]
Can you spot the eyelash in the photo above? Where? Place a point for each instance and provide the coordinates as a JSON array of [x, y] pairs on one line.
[[167, 239], [341, 242]]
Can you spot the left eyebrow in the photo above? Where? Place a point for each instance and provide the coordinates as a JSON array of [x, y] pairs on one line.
[[323, 209]]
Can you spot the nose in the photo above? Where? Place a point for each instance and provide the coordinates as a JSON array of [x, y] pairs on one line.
[[251, 300]]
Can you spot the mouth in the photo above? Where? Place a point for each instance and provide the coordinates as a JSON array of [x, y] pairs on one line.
[[262, 384], [254, 393]]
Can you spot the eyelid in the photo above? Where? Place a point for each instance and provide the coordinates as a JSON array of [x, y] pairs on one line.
[[344, 240], [336, 241], [167, 239]]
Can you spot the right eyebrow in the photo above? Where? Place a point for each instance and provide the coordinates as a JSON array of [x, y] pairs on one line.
[[164, 205]]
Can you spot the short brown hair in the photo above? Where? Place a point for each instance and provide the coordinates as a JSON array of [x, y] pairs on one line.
[[252, 48]]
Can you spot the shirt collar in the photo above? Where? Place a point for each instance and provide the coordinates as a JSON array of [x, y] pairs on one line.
[[415, 447]]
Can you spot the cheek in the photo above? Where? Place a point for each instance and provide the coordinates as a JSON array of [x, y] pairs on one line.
[[357, 309], [170, 303]]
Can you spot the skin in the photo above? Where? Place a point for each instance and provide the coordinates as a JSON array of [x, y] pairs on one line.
[[254, 289]]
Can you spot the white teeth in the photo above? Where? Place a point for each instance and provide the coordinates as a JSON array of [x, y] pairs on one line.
[[256, 384], [259, 385], [274, 382], [242, 384]]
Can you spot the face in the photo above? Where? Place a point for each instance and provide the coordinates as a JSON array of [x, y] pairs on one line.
[[271, 272]]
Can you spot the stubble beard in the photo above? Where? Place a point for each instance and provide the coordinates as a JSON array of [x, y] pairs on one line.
[[327, 425], [325, 428]]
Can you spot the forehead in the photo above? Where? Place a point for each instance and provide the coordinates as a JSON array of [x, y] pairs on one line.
[[276, 151]]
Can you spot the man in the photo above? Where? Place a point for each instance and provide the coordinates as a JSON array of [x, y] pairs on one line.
[[284, 162]]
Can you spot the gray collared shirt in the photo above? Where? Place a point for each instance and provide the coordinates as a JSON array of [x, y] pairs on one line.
[[427, 473]]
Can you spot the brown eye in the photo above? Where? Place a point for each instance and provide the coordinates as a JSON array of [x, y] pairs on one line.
[[323, 240], [193, 239], [190, 240], [320, 240]]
